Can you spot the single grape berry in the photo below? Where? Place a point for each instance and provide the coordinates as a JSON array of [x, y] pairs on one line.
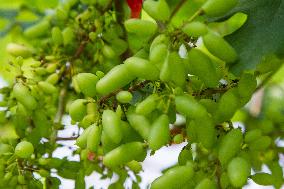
[[24, 149]]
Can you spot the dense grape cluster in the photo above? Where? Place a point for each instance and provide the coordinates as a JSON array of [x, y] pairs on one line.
[[124, 78]]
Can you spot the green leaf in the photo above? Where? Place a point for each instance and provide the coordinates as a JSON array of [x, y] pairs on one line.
[[261, 35]]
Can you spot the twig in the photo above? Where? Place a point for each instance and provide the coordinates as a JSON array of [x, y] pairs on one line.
[[66, 138], [265, 81]]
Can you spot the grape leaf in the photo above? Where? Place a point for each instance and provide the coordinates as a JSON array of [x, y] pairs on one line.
[[261, 35]]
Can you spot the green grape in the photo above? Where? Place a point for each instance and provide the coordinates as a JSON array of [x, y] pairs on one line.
[[52, 79], [219, 47], [224, 180], [124, 97], [252, 135], [93, 138], [160, 39], [129, 134], [188, 106], [209, 104], [117, 77], [178, 73], [111, 125], [19, 50], [140, 123], [264, 179], [157, 55], [261, 143], [200, 65], [5, 148], [238, 171], [85, 83], [174, 178], [82, 139], [24, 149], [159, 133], [195, 29], [225, 112], [205, 131], [23, 95], [277, 172], [37, 30], [165, 72], [107, 143], [214, 8], [247, 85], [178, 139], [185, 156], [140, 27], [135, 166], [159, 10], [230, 145], [206, 184], [124, 154], [78, 109], [68, 36], [148, 105], [108, 52], [141, 68], [47, 87], [56, 36], [21, 179]]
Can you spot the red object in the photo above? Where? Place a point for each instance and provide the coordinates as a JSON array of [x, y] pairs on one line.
[[91, 156], [136, 7]]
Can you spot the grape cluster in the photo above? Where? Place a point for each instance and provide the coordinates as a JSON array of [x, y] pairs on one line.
[[124, 81]]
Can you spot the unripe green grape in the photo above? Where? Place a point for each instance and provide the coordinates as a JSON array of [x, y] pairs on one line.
[[188, 106], [124, 97], [178, 139], [160, 39], [68, 36], [219, 47], [124, 154], [78, 109], [140, 123], [227, 106], [159, 10], [37, 30], [117, 77], [206, 184], [158, 54], [147, 105], [52, 78], [159, 133], [108, 52], [94, 138], [200, 65], [18, 50], [238, 171], [277, 172], [56, 36], [264, 179], [209, 104], [230, 145], [141, 68], [111, 125], [214, 8], [100, 74], [23, 95], [206, 133], [129, 134], [21, 179], [185, 156], [195, 29], [178, 71], [174, 178], [224, 180], [247, 85], [135, 166], [43, 173], [252, 135], [140, 27], [85, 83], [260, 143], [119, 46], [47, 87], [24, 149], [165, 72]]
